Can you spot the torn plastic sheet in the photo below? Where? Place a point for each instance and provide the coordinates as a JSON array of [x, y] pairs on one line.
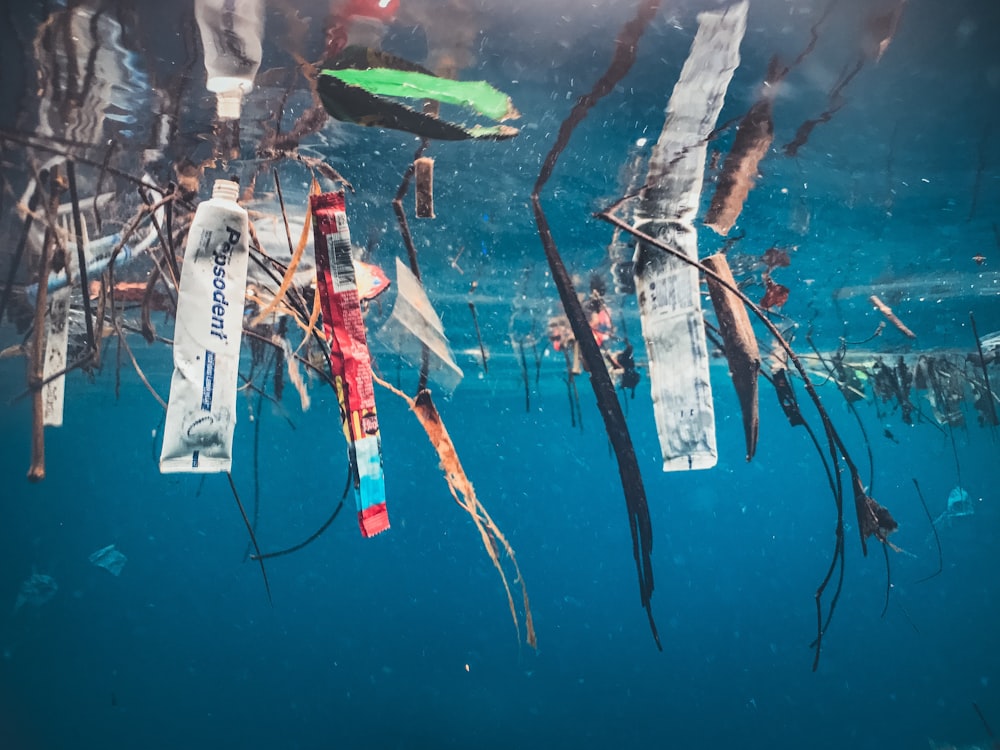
[[959, 505], [110, 559], [667, 289], [350, 360], [36, 590], [414, 325]]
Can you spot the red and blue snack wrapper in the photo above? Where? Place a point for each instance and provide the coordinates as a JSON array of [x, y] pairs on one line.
[[350, 360]]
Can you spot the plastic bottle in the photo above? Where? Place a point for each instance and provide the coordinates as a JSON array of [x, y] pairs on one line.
[[231, 33], [201, 413]]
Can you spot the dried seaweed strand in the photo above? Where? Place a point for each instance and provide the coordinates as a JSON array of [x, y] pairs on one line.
[[852, 408], [258, 412], [750, 146], [59, 146], [479, 336], [989, 731], [986, 376], [835, 103], [122, 338], [98, 221], [310, 330], [148, 329], [294, 302], [81, 257], [22, 243], [873, 518], [253, 537], [312, 538], [626, 45], [741, 350], [888, 580], [937, 539], [319, 372], [296, 252], [465, 495], [318, 533]]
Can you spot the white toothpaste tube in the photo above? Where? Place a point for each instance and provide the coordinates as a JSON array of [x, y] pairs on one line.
[[201, 413]]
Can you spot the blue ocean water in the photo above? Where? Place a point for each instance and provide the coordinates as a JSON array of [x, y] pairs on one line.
[[405, 640]]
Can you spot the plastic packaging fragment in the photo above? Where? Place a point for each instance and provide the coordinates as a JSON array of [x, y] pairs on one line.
[[109, 558], [476, 95], [359, 104], [201, 412], [36, 590], [413, 326], [667, 289], [350, 360]]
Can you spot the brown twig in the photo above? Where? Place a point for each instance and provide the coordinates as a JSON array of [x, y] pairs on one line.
[[22, 243], [891, 316]]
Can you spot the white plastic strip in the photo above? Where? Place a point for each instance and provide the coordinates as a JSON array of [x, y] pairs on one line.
[[667, 289]]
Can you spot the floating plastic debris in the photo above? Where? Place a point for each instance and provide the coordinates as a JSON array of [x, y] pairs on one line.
[[959, 506], [371, 280], [201, 415], [350, 359], [355, 87], [110, 559], [414, 326], [667, 289], [36, 590], [231, 36], [959, 503]]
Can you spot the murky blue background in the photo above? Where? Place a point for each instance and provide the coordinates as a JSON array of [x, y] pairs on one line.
[[405, 640]]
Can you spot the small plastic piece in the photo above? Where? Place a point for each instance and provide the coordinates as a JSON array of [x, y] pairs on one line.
[[413, 326], [110, 559]]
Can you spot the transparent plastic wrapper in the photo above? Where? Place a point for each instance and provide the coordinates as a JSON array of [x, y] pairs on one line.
[[667, 288], [201, 413], [109, 558], [350, 360], [36, 590], [414, 325]]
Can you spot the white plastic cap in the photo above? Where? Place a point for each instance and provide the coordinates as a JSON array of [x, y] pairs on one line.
[[226, 190], [229, 104]]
